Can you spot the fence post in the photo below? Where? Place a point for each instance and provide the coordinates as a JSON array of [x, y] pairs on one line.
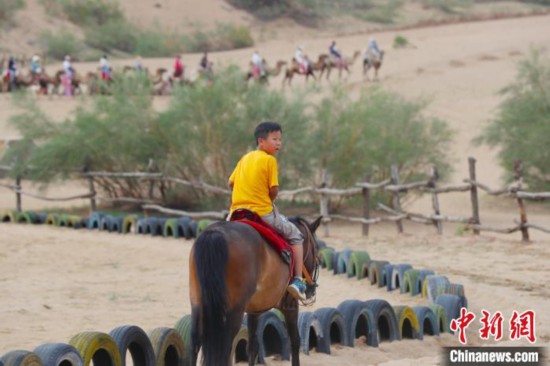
[[396, 200], [435, 200], [18, 194], [150, 169], [93, 192], [473, 193], [518, 176], [366, 208], [324, 204]]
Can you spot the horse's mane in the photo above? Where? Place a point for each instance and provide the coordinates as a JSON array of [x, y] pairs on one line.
[[298, 220]]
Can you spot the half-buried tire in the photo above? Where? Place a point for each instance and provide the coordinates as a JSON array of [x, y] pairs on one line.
[[8, 216], [59, 354], [168, 346], [376, 273], [183, 327], [272, 336], [407, 322], [239, 349], [452, 305], [385, 322], [325, 258], [334, 329], [398, 275], [155, 226], [427, 322], [434, 285], [343, 261], [310, 331], [359, 321], [98, 348], [355, 264], [170, 229], [441, 318], [133, 339], [94, 220], [183, 228], [410, 282], [422, 274], [21, 358]]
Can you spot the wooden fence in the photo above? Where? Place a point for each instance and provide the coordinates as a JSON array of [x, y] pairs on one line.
[[323, 193]]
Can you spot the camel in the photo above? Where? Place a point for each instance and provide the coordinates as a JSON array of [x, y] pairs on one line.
[[269, 72], [372, 59], [345, 64], [294, 69], [75, 81]]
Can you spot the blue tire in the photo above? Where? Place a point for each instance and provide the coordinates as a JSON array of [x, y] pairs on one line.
[[272, 336], [343, 261], [310, 330], [427, 321], [359, 321], [94, 220], [385, 321], [334, 328], [398, 275]]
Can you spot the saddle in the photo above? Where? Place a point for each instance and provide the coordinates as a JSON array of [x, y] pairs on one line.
[[270, 235]]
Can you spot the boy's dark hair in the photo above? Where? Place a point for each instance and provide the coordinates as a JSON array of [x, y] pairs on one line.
[[265, 128]]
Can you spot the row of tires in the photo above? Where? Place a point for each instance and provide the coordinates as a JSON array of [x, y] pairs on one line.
[[182, 227], [375, 321], [436, 288]]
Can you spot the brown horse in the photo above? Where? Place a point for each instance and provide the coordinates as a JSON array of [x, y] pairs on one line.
[[233, 270]]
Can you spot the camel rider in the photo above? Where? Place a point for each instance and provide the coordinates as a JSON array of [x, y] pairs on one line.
[[12, 72], [373, 47], [105, 68], [335, 53], [69, 72], [178, 67], [258, 67], [137, 64], [300, 60], [36, 68]]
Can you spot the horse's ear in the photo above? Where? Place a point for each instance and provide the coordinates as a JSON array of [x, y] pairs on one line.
[[315, 224]]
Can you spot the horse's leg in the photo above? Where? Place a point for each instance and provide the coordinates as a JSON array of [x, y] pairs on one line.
[[195, 335], [291, 320], [253, 345]]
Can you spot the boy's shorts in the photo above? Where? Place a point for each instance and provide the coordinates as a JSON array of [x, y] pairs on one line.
[[286, 228]]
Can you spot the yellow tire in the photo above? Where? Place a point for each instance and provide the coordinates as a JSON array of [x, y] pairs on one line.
[[97, 347], [407, 322], [7, 216]]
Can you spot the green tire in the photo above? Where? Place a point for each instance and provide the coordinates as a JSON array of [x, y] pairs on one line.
[[407, 321], [183, 327], [325, 258], [171, 228], [410, 278], [8, 216], [129, 224], [355, 264], [52, 219]]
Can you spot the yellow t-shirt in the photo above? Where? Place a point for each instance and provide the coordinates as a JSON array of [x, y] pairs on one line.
[[252, 178]]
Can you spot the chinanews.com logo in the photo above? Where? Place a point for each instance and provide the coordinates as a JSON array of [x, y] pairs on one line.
[[519, 325]]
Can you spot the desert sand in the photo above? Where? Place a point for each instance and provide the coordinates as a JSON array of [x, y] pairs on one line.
[[57, 282]]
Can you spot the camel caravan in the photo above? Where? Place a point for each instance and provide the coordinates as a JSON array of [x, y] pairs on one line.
[[17, 73]]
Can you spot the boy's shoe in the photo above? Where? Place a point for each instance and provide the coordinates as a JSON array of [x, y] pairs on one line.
[[297, 289]]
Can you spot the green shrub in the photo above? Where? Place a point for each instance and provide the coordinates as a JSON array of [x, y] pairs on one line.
[[114, 34], [157, 43], [8, 9], [91, 12], [400, 41], [385, 13], [522, 126], [60, 44], [224, 37], [448, 6]]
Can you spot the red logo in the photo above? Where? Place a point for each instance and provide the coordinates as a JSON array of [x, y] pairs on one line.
[[523, 325], [462, 323]]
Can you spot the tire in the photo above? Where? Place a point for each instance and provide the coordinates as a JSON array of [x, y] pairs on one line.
[[52, 219], [410, 282], [7, 216], [454, 289], [355, 264], [334, 328], [422, 274], [435, 285], [141, 226], [106, 223], [385, 322], [95, 220], [41, 217], [183, 327], [193, 227], [407, 322], [183, 228], [310, 331], [388, 273], [27, 217], [129, 224], [452, 305], [441, 318], [343, 261], [334, 261], [325, 258], [21, 358], [359, 321], [170, 229], [168, 346], [57, 354], [376, 273], [134, 339], [97, 347], [75, 222], [239, 349], [427, 322], [272, 336], [398, 275], [155, 226], [203, 224]]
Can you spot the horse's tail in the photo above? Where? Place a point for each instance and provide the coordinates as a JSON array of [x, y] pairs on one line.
[[211, 253]]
